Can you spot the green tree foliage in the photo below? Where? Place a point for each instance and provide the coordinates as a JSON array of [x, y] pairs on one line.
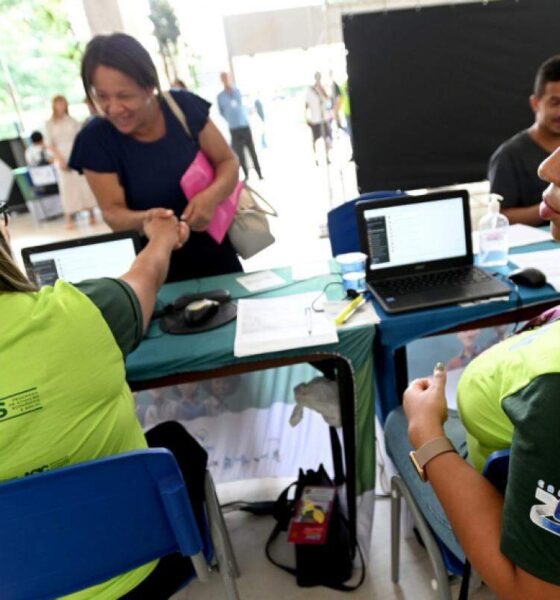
[[167, 32], [39, 54]]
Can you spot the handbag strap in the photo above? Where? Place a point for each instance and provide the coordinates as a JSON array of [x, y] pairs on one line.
[[176, 110], [271, 212], [283, 511], [464, 591]]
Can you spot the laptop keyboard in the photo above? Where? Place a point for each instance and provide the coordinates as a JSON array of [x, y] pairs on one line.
[[432, 281]]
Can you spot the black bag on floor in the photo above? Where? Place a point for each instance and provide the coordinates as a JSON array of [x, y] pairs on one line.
[[329, 564]]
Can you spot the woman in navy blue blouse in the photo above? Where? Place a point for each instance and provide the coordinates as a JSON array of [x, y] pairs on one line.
[[134, 153]]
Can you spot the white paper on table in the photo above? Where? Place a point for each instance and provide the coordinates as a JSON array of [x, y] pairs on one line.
[[365, 315], [518, 235], [263, 280], [547, 261], [276, 324], [307, 270]]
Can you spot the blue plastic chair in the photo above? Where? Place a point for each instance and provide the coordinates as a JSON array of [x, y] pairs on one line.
[[443, 548], [71, 528], [342, 225]]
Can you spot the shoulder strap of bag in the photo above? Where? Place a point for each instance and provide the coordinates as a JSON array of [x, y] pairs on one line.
[[464, 591], [339, 477], [283, 513], [342, 587], [176, 110], [271, 212]]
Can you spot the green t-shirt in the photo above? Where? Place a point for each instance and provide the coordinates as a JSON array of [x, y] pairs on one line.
[[63, 392], [508, 397]]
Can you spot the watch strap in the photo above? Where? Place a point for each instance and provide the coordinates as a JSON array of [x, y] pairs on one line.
[[433, 448]]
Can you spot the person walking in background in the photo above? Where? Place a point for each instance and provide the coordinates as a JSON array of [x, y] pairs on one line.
[[318, 115], [336, 100], [259, 108], [230, 105], [75, 193]]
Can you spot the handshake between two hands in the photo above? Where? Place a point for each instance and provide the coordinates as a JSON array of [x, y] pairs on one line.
[[162, 224]]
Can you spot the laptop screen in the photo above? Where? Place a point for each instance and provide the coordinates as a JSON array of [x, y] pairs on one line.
[[407, 233], [108, 255]]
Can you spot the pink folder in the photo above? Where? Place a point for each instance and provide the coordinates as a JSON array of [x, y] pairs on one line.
[[198, 177]]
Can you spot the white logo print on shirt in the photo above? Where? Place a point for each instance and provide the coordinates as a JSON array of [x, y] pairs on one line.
[[547, 514]]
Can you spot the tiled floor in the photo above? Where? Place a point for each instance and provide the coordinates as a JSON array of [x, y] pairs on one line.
[[302, 193]]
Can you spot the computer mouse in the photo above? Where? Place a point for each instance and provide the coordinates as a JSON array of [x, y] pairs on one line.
[[529, 277], [199, 311]]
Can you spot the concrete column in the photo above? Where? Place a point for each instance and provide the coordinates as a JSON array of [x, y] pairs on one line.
[[103, 16]]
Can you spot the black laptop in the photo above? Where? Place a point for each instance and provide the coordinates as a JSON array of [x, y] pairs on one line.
[[107, 255], [419, 252]]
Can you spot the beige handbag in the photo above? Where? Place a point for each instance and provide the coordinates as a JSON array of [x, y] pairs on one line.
[[250, 231]]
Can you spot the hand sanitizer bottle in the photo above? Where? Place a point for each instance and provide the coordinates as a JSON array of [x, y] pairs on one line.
[[493, 235]]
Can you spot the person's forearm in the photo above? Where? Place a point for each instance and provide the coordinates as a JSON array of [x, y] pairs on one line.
[[148, 273], [227, 176], [474, 509], [527, 214], [121, 218], [153, 262], [57, 156]]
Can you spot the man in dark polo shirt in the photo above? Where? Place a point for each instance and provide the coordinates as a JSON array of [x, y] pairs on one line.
[[512, 170]]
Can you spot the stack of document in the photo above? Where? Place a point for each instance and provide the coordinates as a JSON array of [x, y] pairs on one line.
[[276, 324]]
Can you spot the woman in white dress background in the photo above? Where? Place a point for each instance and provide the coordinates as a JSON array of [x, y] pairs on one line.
[[75, 193]]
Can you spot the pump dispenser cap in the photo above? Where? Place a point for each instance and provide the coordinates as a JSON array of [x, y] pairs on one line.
[[494, 202]]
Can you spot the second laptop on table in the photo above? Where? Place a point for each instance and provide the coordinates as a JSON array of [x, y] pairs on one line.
[[107, 255], [419, 252]]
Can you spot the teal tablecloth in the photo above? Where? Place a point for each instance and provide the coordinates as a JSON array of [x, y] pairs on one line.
[[160, 354]]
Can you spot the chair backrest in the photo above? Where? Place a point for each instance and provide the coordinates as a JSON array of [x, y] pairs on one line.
[[80, 525], [496, 469], [343, 228]]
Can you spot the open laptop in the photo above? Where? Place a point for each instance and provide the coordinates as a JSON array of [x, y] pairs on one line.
[[108, 255], [419, 252]]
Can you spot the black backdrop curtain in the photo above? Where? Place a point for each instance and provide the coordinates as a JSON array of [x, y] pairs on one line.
[[434, 91]]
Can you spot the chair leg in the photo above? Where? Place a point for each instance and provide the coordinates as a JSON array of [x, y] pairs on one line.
[[395, 530], [441, 582], [227, 564]]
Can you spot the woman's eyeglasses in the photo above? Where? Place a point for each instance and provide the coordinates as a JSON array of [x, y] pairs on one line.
[[4, 213]]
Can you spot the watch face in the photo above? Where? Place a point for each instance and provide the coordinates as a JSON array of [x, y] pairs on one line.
[[421, 472]]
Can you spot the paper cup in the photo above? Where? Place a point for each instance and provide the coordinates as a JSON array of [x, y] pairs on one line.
[[354, 281], [352, 262]]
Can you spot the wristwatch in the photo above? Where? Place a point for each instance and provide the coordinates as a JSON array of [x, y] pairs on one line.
[[421, 457]]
